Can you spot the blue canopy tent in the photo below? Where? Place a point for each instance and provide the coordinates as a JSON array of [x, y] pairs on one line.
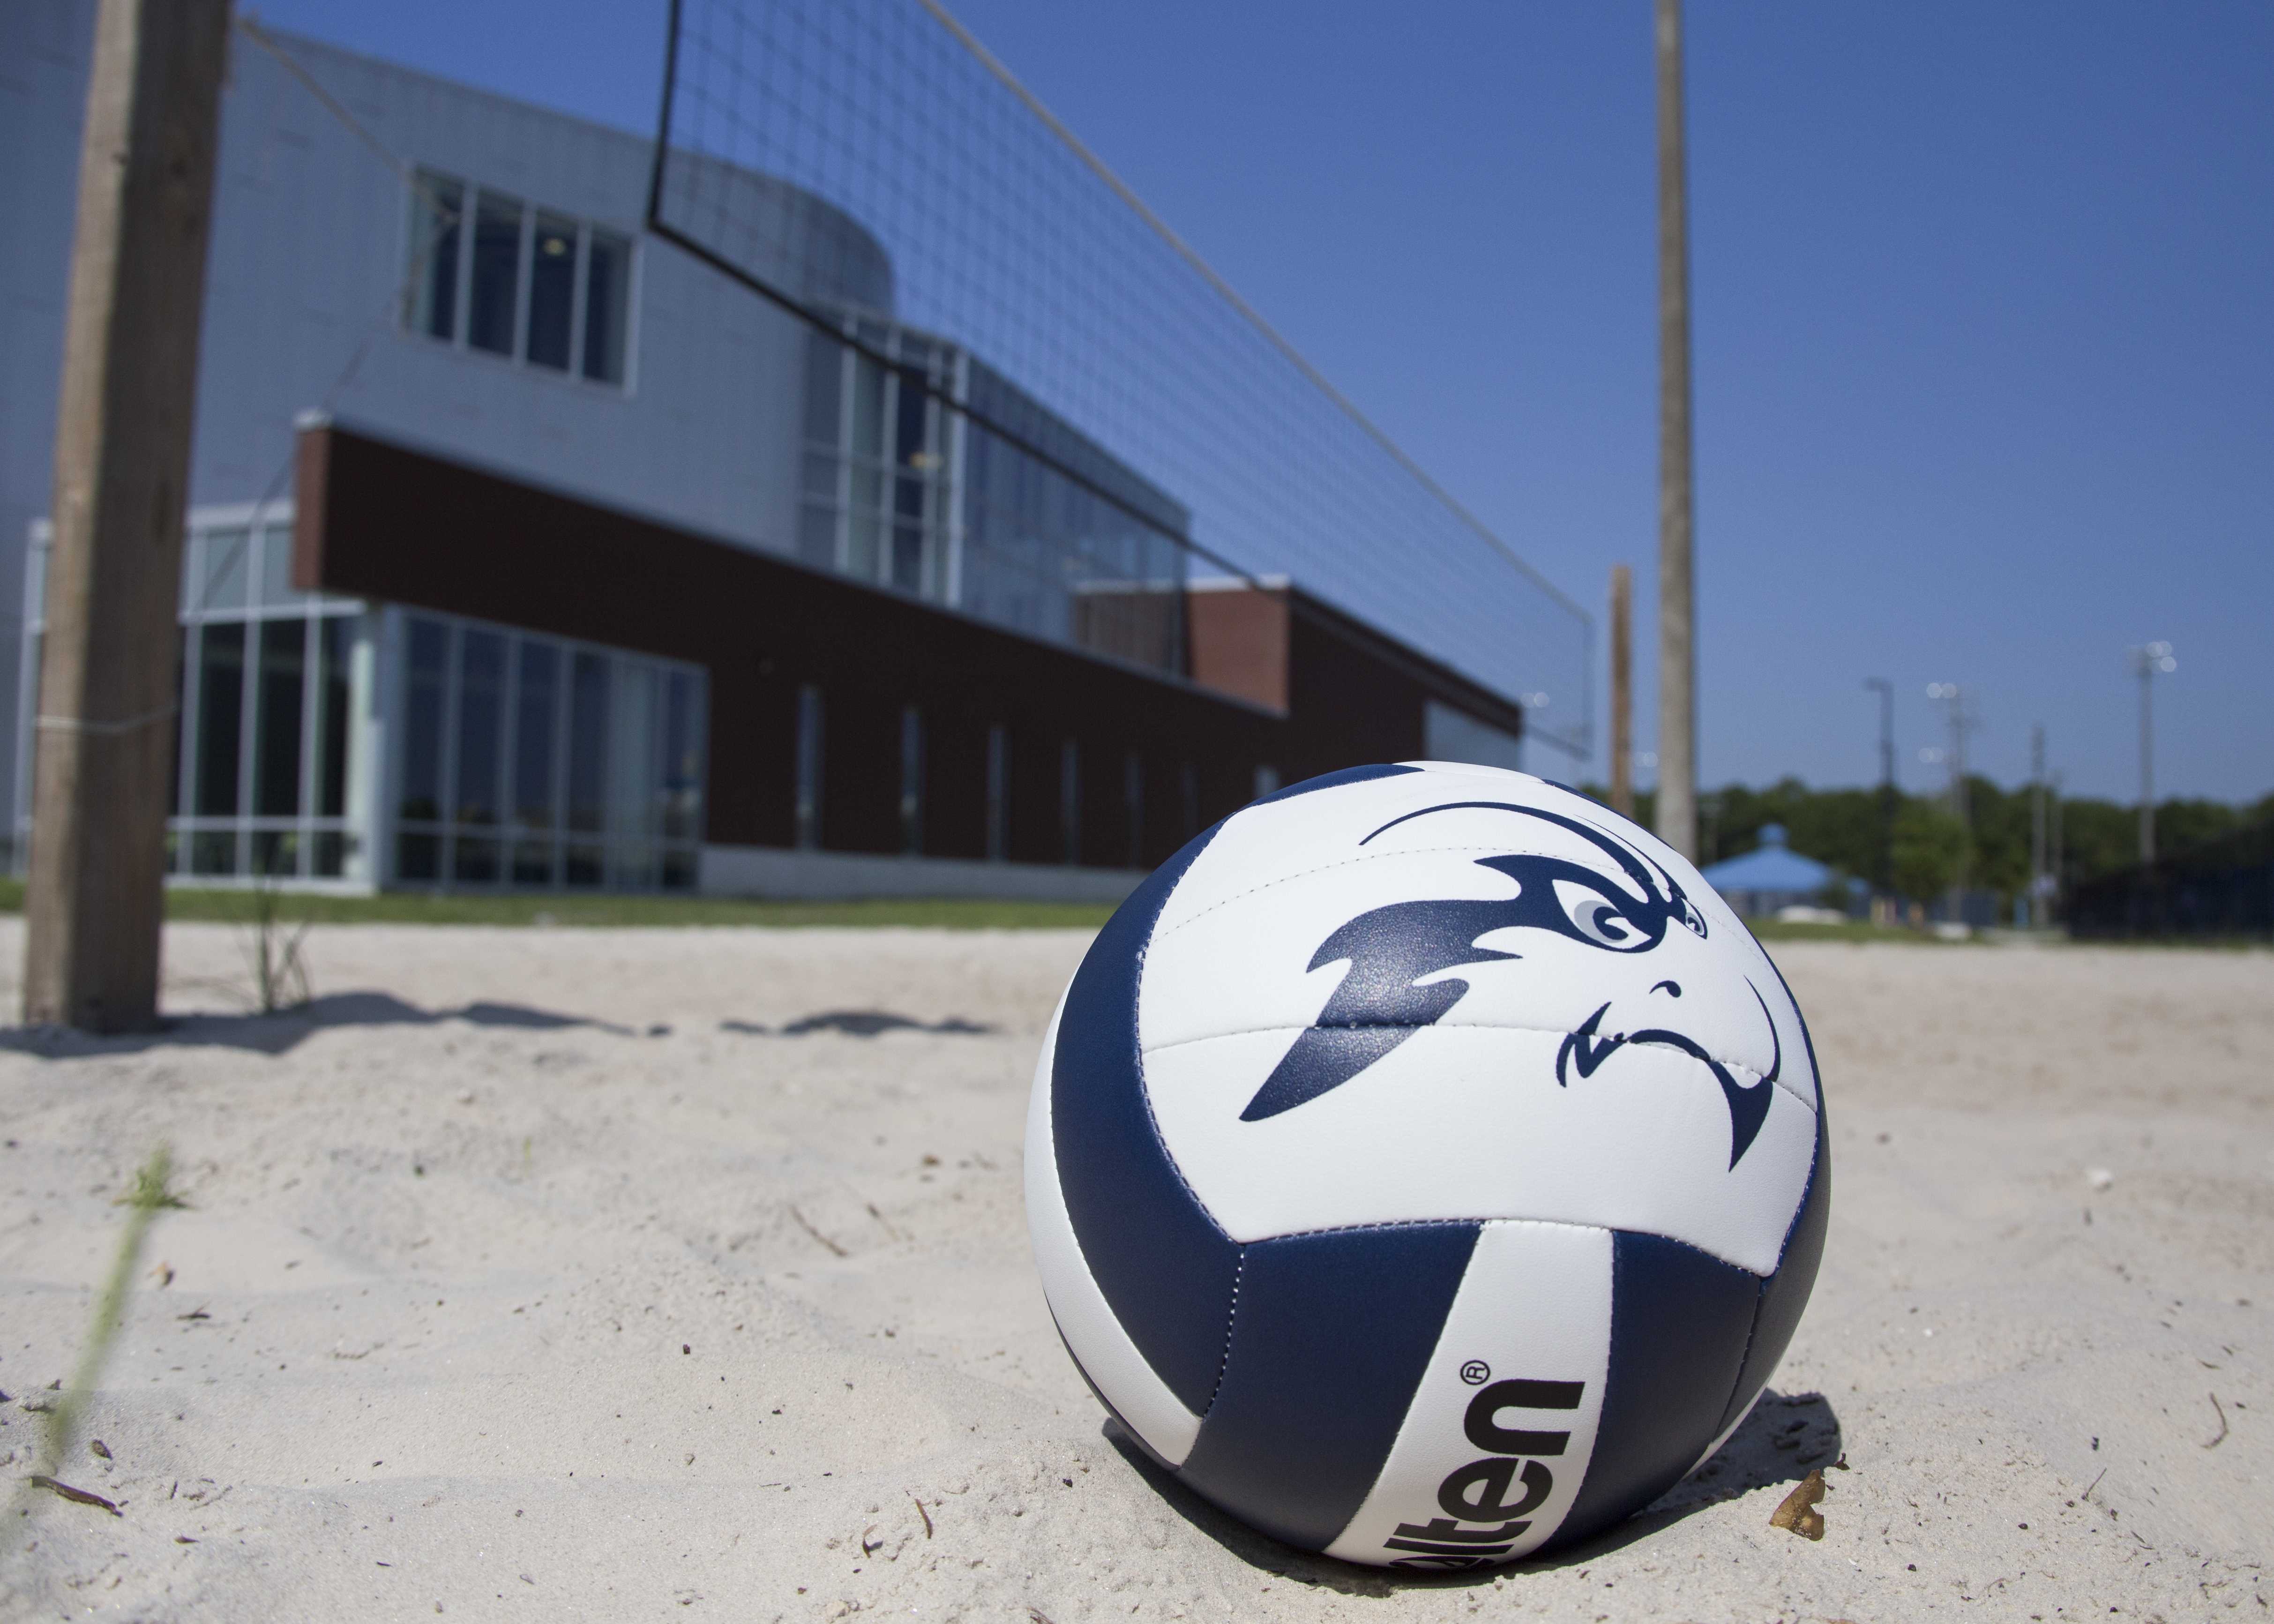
[[1772, 875]]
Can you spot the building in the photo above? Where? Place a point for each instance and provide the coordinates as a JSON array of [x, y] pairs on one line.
[[527, 552]]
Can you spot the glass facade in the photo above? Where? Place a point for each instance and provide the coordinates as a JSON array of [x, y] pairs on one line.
[[876, 500], [266, 739], [900, 492], [529, 762], [1450, 735], [530, 284], [322, 742]]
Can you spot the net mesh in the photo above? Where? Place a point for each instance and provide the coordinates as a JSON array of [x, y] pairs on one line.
[[1062, 326]]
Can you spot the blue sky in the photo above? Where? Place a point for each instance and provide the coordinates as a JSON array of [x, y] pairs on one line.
[[1983, 306]]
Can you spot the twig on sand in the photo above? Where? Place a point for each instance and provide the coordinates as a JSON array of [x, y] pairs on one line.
[[926, 1515], [41, 1480], [148, 1196], [1798, 1512], [2221, 1439], [2097, 1476], [145, 1200], [802, 1223]]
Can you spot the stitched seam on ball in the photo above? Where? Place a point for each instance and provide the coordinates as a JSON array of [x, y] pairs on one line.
[[1231, 1318], [1441, 1026], [1145, 1095], [1559, 1223], [1497, 846]]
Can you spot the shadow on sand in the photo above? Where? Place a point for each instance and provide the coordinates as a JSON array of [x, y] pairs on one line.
[[858, 1024], [286, 1029], [1781, 1441]]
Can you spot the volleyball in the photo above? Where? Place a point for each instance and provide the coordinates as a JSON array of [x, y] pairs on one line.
[[1427, 1166]]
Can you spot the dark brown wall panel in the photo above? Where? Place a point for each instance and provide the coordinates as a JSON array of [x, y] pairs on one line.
[[1105, 805], [1165, 806], [955, 786], [765, 751], [383, 522], [860, 781], [1348, 710], [1035, 832]]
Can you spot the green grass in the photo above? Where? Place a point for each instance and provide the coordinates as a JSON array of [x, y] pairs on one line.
[[1771, 930], [235, 908]]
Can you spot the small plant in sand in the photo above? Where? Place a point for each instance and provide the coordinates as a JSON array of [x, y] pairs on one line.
[[280, 974], [150, 1194]]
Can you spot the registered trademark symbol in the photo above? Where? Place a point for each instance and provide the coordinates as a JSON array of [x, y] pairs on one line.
[[1476, 1372]]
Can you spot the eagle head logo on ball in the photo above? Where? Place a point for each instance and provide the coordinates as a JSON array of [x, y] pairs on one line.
[[1426, 1166]]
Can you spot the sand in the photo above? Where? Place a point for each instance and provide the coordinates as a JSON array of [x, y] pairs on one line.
[[563, 1274]]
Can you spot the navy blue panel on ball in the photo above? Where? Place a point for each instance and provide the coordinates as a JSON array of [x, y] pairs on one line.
[[1680, 1321], [1785, 1293], [1329, 1338], [1328, 780], [1326, 1057], [1164, 1266]]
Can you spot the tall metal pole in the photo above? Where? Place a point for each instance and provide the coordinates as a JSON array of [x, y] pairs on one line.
[[2147, 762], [107, 672], [1953, 697], [2056, 838], [2150, 661], [1677, 668], [1622, 690], [1883, 879], [2038, 831]]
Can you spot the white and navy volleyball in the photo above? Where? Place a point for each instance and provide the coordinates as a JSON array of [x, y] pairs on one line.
[[1428, 1166]]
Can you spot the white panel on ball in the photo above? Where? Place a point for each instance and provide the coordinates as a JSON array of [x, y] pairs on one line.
[[1535, 1306], [1234, 944], [1469, 1122]]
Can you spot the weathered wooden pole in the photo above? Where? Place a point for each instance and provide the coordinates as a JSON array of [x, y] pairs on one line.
[[109, 669], [1622, 690], [1677, 659]]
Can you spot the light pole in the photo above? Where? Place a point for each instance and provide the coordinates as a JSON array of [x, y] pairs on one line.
[[1961, 722], [1677, 652], [2150, 660], [1622, 690], [1883, 880], [2038, 832], [1953, 697]]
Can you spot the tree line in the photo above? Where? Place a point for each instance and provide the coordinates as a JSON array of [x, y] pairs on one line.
[[1933, 848]]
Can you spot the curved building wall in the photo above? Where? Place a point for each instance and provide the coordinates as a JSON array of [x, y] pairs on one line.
[[312, 299]]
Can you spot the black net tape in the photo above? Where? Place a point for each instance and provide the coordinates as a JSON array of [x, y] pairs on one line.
[[1025, 398]]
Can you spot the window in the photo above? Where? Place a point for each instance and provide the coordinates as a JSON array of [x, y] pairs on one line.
[[536, 757], [495, 293], [809, 768], [912, 767], [493, 273], [875, 485], [441, 205], [262, 748], [1070, 800], [530, 761], [552, 292], [998, 793], [1132, 797], [606, 299]]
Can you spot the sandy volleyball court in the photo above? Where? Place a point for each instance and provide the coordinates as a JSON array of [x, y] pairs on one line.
[[615, 1274]]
